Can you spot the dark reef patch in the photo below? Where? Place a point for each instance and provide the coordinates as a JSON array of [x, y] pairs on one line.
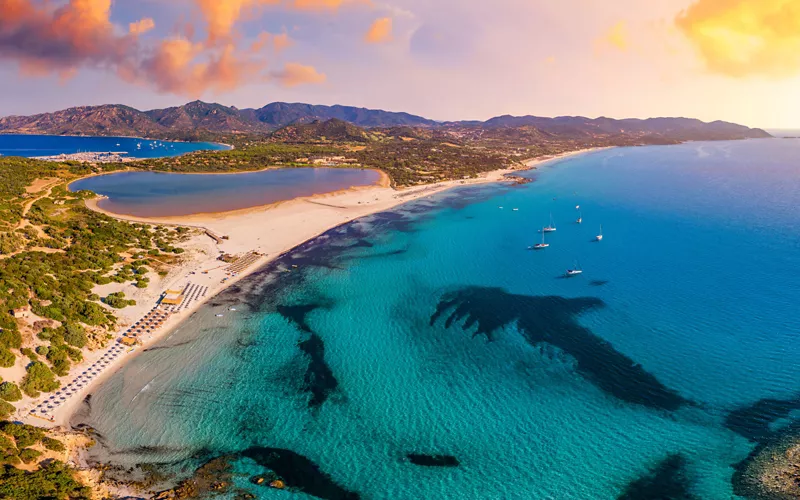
[[753, 422], [319, 379], [298, 314], [598, 282], [433, 460], [552, 320], [667, 481], [299, 472]]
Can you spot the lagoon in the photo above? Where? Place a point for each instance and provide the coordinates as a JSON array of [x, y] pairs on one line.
[[156, 194]]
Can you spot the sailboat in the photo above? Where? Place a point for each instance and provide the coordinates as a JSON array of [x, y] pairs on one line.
[[579, 220], [575, 271], [542, 245], [551, 228], [599, 237]]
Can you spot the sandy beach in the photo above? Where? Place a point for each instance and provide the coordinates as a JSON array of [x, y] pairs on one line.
[[268, 231]]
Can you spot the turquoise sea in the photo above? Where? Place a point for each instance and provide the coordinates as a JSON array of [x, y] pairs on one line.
[[158, 194], [426, 353], [52, 145]]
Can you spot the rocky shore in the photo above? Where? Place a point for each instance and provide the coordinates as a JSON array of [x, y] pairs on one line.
[[772, 471]]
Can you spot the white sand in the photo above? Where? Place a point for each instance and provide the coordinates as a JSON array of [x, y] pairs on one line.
[[270, 230]]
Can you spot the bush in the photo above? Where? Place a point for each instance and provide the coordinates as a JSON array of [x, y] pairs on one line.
[[6, 410], [118, 301], [29, 455], [75, 335], [27, 351], [52, 480], [7, 358], [39, 379], [9, 391], [24, 435], [53, 444]]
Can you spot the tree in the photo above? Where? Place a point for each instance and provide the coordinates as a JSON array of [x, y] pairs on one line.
[[39, 379], [9, 391], [75, 335], [6, 357]]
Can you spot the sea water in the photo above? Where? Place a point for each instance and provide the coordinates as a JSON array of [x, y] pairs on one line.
[[53, 145], [432, 329], [158, 194]]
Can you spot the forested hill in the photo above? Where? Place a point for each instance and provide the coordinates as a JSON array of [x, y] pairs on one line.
[[201, 120]]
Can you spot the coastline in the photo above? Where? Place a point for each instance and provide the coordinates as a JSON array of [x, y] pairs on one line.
[[282, 227]]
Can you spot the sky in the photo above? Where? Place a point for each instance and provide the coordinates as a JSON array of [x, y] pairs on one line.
[[734, 60]]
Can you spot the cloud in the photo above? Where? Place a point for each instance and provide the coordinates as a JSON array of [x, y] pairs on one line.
[[222, 15], [45, 38], [142, 26], [380, 31], [75, 34], [616, 37], [745, 37], [294, 74], [278, 43]]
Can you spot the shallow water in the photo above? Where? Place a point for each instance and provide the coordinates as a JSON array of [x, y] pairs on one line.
[[157, 194], [53, 145], [431, 329]]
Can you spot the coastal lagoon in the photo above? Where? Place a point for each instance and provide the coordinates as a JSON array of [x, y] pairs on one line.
[[155, 194], [30, 146], [425, 352]]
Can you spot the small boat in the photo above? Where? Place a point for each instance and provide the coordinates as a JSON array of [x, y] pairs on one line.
[[575, 271], [599, 237], [579, 220], [542, 245], [551, 228], [515, 209], [577, 207], [233, 309], [220, 315]]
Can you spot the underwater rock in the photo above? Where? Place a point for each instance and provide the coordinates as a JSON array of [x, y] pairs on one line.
[[433, 460], [667, 481], [553, 320]]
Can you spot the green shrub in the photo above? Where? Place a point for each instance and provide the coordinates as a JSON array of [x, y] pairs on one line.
[[9, 391], [39, 379], [7, 357], [29, 455], [53, 444], [24, 435], [42, 350], [6, 410], [27, 351], [75, 335], [53, 480]]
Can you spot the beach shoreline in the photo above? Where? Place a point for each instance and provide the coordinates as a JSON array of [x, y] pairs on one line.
[[282, 227]]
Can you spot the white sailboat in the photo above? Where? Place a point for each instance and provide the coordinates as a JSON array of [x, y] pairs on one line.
[[579, 220], [575, 271], [542, 245], [551, 228], [599, 237]]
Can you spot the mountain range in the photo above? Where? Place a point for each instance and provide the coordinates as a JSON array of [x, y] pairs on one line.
[[198, 118]]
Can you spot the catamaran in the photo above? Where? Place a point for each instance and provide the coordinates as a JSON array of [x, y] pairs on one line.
[[551, 228], [575, 271], [542, 245], [599, 237]]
